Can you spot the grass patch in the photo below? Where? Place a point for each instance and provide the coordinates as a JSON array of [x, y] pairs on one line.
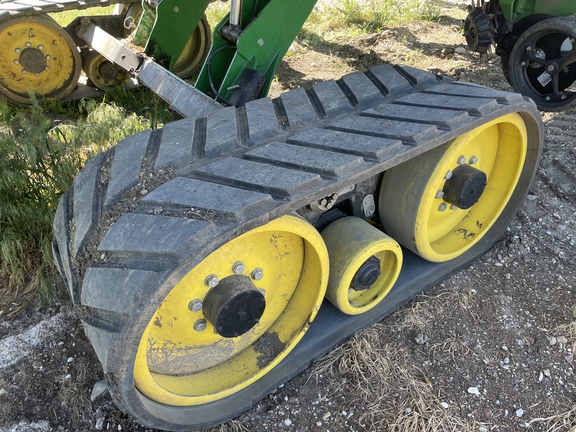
[[39, 158]]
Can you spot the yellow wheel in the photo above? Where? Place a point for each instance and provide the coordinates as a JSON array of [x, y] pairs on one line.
[[104, 74], [234, 316], [364, 264], [195, 51], [443, 202], [36, 54]]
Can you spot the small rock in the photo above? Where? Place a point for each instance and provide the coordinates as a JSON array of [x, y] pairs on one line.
[[99, 423], [444, 405], [474, 391], [421, 339], [98, 390], [552, 340], [70, 359], [68, 376], [519, 412], [460, 50], [486, 413], [546, 372], [504, 348], [287, 422], [540, 377], [561, 340]]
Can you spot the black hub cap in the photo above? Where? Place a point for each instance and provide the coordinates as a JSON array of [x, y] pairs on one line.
[[367, 274], [234, 306], [465, 187], [33, 60]]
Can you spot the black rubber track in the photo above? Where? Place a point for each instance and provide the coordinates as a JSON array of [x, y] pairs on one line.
[[142, 215]]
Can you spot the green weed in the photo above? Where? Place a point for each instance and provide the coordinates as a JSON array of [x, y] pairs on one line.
[[39, 158]]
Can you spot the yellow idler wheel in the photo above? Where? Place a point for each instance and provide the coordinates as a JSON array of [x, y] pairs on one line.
[[234, 316], [36, 54], [104, 74], [195, 51], [443, 202], [364, 264]]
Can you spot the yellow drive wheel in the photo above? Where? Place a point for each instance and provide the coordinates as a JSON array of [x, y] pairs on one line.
[[36, 54], [234, 316], [364, 264], [104, 74], [443, 202]]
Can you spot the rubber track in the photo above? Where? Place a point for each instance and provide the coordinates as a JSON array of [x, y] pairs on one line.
[[143, 214], [12, 8]]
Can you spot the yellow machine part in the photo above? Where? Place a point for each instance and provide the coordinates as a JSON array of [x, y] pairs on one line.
[[36, 54], [182, 360], [411, 204], [351, 241]]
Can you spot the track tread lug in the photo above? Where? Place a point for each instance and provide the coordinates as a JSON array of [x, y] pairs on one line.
[[367, 146], [137, 233], [298, 108], [474, 106], [443, 118], [261, 177], [408, 133], [221, 132], [389, 80], [126, 165], [473, 90], [86, 202], [365, 91], [62, 238], [176, 144], [333, 101], [319, 161], [262, 120], [183, 192], [418, 77]]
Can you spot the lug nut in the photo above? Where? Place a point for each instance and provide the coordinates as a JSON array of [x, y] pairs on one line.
[[200, 325], [461, 160], [453, 207], [28, 44], [473, 160], [40, 47], [448, 175], [16, 62], [440, 194], [211, 280], [442, 207], [18, 50], [238, 267], [257, 274], [195, 305]]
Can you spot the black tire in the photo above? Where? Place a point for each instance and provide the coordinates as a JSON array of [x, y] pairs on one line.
[[539, 69]]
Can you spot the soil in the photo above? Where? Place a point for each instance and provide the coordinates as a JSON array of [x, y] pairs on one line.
[[489, 349]]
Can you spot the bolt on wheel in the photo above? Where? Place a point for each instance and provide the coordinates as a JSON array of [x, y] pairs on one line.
[[38, 55], [456, 192], [234, 316], [101, 72]]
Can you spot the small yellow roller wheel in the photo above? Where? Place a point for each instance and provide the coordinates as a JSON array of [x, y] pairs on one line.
[[36, 54], [195, 51], [364, 264], [234, 316], [104, 74], [443, 202]]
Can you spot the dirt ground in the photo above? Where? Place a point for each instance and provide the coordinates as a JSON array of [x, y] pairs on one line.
[[489, 349]]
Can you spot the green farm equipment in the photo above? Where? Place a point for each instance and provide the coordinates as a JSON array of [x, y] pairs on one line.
[[536, 42], [215, 259]]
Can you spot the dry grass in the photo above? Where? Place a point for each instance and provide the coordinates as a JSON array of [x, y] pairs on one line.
[[563, 422], [395, 393]]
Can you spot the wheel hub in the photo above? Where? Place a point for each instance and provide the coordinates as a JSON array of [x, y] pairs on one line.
[[234, 306], [33, 60], [367, 274], [465, 187]]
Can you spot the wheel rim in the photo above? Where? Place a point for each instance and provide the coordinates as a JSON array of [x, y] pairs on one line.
[[364, 264], [181, 361], [104, 74], [37, 55], [195, 51], [432, 224], [542, 64]]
